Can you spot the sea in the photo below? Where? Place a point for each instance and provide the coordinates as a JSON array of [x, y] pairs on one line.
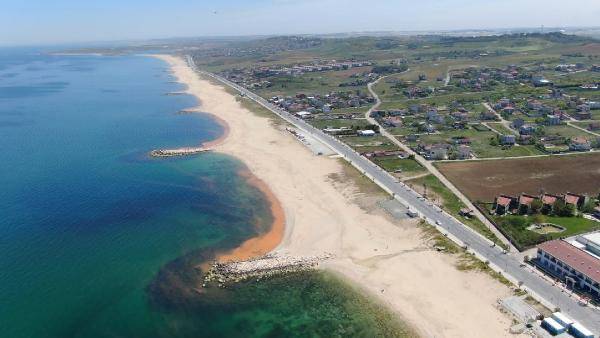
[[98, 239]]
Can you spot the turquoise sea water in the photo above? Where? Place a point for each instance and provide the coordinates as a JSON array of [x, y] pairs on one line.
[[99, 240]]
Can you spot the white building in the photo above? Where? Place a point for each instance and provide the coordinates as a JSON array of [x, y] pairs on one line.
[[366, 132]]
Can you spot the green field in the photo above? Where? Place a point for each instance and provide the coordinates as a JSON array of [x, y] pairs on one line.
[[480, 143], [516, 228], [338, 123], [407, 166], [312, 83]]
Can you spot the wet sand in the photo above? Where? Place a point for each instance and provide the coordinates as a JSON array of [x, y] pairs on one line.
[[264, 243]]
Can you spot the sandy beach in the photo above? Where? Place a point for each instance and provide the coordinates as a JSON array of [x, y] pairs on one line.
[[315, 212]]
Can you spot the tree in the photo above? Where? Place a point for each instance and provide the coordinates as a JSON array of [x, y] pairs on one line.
[[494, 141], [588, 207], [536, 206], [562, 209]]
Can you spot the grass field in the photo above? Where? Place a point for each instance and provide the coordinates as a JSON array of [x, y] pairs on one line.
[[566, 131], [338, 123], [516, 228], [499, 127], [312, 83], [408, 166], [480, 143], [484, 180]]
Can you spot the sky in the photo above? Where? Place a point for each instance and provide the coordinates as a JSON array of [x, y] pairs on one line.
[[26, 22]]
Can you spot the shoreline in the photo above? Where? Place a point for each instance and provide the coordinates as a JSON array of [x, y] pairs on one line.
[[388, 259], [265, 242]]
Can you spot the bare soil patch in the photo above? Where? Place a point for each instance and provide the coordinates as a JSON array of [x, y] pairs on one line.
[[484, 180]]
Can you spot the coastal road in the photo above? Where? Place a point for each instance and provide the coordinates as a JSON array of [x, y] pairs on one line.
[[433, 170], [508, 264]]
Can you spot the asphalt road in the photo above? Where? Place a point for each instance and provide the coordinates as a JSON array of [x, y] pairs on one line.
[[508, 264]]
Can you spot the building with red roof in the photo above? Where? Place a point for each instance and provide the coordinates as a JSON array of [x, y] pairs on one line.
[[504, 204], [576, 267], [525, 203], [576, 200]]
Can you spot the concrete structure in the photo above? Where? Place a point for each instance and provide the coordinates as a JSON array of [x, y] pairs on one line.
[[576, 267]]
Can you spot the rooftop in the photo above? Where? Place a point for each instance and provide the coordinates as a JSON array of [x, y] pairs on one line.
[[549, 199], [503, 201], [576, 258], [572, 199], [526, 199]]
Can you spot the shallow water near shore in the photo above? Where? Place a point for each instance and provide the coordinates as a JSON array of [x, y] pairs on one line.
[[98, 239]]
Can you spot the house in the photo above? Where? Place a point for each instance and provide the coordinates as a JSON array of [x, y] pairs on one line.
[[526, 139], [508, 110], [508, 140], [434, 151], [488, 116], [518, 123], [539, 81], [525, 202], [548, 201], [534, 104], [583, 115], [594, 126], [575, 200], [412, 137], [503, 204], [594, 105], [366, 132], [393, 121], [503, 102], [463, 152], [431, 114], [460, 140], [580, 144], [460, 116], [553, 120], [527, 129], [437, 152]]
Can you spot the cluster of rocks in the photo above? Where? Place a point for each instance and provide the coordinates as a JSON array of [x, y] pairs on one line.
[[261, 267]]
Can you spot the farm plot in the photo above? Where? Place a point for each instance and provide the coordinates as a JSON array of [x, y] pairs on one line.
[[484, 180]]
